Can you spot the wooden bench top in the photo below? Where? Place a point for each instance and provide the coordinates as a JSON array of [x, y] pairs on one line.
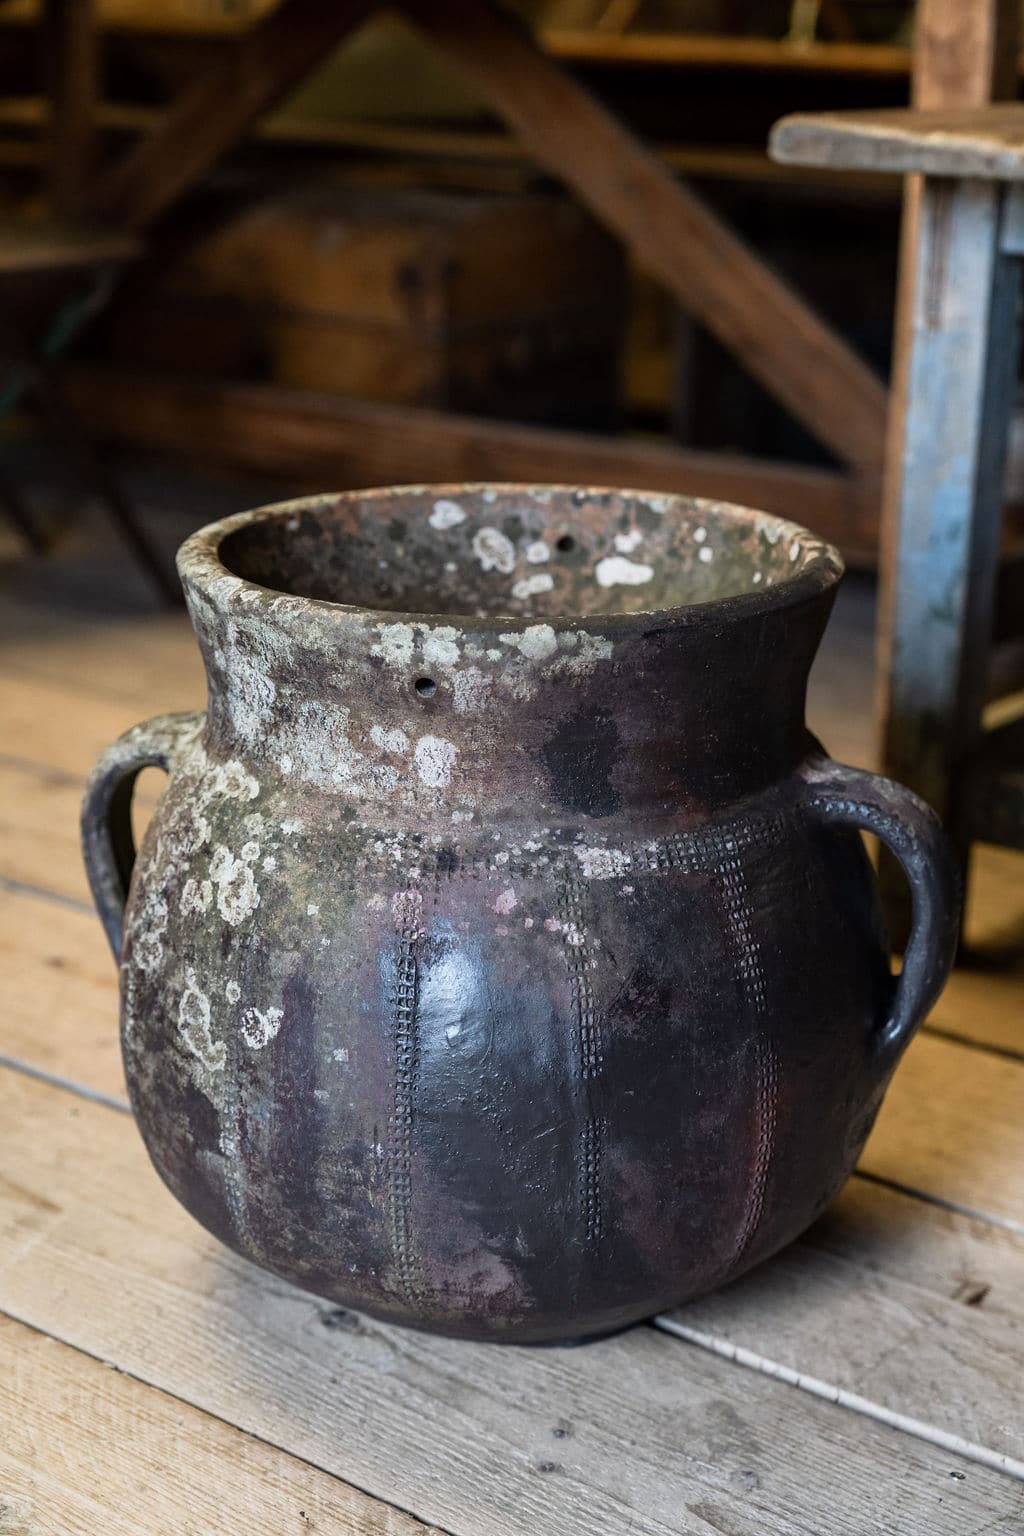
[[985, 142]]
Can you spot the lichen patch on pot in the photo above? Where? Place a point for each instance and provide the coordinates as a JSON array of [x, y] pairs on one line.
[[616, 571]]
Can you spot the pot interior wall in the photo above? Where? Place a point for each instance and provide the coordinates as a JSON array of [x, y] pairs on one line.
[[493, 552]]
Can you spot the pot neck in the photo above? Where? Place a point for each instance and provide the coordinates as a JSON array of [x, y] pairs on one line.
[[412, 723]]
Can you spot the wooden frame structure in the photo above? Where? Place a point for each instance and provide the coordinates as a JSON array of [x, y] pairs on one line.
[[954, 388], [670, 229]]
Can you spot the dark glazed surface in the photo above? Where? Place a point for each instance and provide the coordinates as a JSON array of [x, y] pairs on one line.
[[489, 964]]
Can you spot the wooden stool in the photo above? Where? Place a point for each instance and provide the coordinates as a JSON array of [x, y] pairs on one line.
[[952, 401]]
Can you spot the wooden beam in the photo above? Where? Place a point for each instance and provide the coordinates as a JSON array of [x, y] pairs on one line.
[[670, 230], [72, 70], [214, 112], [319, 440], [964, 55]]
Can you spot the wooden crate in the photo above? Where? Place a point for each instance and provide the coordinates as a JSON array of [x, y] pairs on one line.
[[503, 306]]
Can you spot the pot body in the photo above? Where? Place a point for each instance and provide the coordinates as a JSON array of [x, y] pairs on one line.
[[522, 1071]]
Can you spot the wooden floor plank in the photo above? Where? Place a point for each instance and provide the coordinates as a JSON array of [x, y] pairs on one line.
[[952, 1126], [60, 726], [984, 1005], [630, 1433], [915, 1311], [147, 662], [60, 994], [140, 1463], [39, 843]]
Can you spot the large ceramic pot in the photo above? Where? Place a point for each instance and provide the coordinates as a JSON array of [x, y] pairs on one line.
[[502, 957]]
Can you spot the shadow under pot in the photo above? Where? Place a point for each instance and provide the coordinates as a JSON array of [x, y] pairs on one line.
[[502, 958]]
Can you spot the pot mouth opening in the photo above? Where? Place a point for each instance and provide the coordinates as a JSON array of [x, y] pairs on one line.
[[514, 553]]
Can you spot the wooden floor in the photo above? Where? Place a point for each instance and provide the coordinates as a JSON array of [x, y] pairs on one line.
[[867, 1380]]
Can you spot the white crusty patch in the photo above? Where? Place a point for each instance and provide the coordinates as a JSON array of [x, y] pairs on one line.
[[258, 1029], [395, 643], [194, 1025], [389, 741], [582, 652], [233, 780], [494, 550], [440, 646], [538, 552], [617, 571], [237, 895], [532, 586], [149, 930], [506, 902], [625, 543], [446, 514], [537, 642], [471, 689], [706, 554], [603, 863], [435, 758], [196, 895]]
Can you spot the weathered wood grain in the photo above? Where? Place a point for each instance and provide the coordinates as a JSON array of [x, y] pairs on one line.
[[911, 1312], [985, 142], [86, 1449], [632, 1433]]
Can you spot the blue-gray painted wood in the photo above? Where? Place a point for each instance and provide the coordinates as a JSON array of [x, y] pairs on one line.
[[958, 389]]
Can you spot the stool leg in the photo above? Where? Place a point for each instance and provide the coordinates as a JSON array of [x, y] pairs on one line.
[[954, 387], [19, 514], [96, 473]]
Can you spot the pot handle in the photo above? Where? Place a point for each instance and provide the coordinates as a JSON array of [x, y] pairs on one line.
[[108, 845], [852, 797]]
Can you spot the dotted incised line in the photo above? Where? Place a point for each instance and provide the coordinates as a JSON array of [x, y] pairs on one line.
[[741, 924], [751, 975], [767, 1098], [408, 908], [588, 1044], [586, 1024], [689, 852], [592, 1135]]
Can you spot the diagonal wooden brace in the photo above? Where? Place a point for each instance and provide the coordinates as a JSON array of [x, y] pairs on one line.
[[706, 267], [211, 116]]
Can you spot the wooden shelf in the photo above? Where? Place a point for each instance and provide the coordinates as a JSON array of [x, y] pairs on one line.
[[47, 246], [417, 140], [710, 51]]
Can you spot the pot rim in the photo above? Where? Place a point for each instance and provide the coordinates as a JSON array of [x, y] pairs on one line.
[[201, 567]]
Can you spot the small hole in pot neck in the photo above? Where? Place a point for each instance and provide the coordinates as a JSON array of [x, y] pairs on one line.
[[425, 687], [565, 543]]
